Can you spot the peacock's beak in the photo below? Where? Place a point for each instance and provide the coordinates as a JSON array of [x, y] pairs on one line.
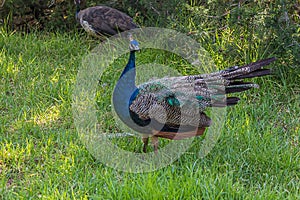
[[134, 46]]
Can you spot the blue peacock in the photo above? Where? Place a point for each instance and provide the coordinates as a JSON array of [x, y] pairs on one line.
[[174, 107], [102, 21]]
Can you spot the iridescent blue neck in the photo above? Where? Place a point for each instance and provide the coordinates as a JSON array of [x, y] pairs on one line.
[[130, 65], [125, 89]]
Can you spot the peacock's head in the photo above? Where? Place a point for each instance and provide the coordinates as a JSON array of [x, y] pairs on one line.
[[134, 45]]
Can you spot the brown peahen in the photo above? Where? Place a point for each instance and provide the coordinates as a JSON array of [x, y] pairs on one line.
[[102, 20], [174, 107]]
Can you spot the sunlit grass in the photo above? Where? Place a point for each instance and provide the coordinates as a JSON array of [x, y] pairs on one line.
[[41, 156]]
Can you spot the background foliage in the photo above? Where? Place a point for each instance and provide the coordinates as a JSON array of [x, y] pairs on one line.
[[275, 23]]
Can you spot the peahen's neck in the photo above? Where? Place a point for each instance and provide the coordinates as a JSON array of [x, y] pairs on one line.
[[77, 10]]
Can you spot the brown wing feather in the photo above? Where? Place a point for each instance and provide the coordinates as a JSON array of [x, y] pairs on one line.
[[147, 106]]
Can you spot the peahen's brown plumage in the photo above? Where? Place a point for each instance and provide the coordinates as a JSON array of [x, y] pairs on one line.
[[103, 20], [174, 107]]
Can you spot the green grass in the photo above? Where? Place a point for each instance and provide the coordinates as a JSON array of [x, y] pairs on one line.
[[41, 156]]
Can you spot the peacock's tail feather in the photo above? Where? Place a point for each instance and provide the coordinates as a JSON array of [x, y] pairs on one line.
[[182, 100]]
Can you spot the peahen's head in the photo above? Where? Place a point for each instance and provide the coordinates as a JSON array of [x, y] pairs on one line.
[[134, 45], [77, 2]]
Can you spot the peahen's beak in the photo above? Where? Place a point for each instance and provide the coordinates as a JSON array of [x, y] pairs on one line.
[[77, 2]]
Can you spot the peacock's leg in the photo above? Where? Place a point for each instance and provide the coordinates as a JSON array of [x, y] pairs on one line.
[[145, 141], [154, 141]]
